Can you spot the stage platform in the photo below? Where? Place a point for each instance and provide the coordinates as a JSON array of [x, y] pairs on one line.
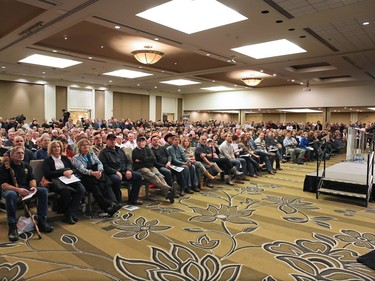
[[345, 178]]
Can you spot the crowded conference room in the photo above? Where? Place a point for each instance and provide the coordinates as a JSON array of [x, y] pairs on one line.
[[187, 140]]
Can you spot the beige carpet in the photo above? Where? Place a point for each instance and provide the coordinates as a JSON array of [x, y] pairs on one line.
[[265, 229]]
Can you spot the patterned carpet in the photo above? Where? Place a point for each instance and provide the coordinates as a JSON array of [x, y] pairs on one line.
[[265, 229]]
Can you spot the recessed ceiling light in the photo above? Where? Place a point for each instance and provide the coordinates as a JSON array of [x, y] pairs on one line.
[[192, 16], [300, 110], [217, 88], [3, 67], [49, 61], [54, 51], [117, 27], [90, 58], [270, 49], [371, 108], [180, 82], [126, 73], [366, 23]]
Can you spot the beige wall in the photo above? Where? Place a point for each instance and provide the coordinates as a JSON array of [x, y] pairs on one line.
[[61, 100], [22, 98], [99, 104], [256, 117], [343, 117], [274, 117], [366, 117], [204, 116], [130, 106]]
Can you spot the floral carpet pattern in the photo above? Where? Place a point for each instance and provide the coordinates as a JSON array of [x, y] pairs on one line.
[[267, 229]]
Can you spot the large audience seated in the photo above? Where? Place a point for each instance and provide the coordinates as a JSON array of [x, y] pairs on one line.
[[176, 157]]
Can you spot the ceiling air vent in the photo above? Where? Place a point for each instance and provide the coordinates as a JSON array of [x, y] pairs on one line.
[[310, 67], [340, 78]]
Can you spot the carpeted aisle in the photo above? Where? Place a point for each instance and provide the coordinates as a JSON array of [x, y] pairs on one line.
[[265, 229]]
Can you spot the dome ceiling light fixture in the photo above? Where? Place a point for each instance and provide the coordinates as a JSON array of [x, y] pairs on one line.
[[147, 55], [252, 82]]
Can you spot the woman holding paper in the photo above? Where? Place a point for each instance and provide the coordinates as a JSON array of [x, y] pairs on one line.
[[58, 169]]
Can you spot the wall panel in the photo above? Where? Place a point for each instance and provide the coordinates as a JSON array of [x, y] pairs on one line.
[[130, 106], [22, 98], [61, 100], [99, 104]]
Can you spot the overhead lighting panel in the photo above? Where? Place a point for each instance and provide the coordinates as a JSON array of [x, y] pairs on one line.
[[49, 61], [301, 110], [180, 82], [270, 49], [192, 16], [126, 73], [218, 88]]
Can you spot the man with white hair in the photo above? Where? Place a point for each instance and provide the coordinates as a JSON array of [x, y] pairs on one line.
[[131, 143]]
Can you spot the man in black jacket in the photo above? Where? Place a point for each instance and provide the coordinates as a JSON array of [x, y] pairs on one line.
[[118, 168], [143, 162]]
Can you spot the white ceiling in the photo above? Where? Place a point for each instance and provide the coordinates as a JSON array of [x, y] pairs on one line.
[[339, 48]]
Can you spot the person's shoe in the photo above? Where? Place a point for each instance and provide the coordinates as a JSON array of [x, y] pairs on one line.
[[228, 181], [209, 184], [13, 233], [239, 181], [254, 176], [189, 191], [235, 172], [170, 196], [75, 218], [262, 165], [113, 208], [279, 168], [271, 172], [68, 220], [176, 195], [244, 179], [43, 225], [196, 189], [182, 193], [138, 202]]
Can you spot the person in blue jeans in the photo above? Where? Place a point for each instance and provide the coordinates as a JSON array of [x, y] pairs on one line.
[[17, 180]]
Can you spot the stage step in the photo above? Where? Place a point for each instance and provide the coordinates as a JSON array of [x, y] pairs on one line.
[[343, 193]]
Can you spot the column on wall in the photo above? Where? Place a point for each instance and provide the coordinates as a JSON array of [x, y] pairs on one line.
[[326, 115], [49, 102], [152, 107], [108, 104], [242, 117]]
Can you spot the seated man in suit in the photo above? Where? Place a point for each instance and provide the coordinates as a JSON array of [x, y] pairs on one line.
[[17, 179]]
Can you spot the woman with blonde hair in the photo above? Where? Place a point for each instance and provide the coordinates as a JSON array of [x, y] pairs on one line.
[[55, 166], [90, 170]]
